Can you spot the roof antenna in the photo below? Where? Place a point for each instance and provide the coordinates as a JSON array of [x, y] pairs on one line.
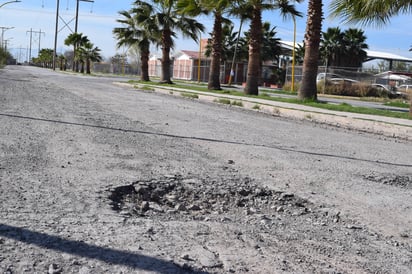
[[91, 9], [42, 3], [67, 5]]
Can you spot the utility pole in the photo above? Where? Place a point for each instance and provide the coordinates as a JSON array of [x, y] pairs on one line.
[[55, 35], [3, 30], [20, 55], [6, 41], [66, 25], [77, 13], [31, 36]]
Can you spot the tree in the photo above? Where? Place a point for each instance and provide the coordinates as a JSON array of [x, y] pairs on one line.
[[332, 47], [354, 51], [5, 55], [218, 8], [308, 89], [45, 58], [254, 14], [89, 53], [169, 19], [76, 40], [343, 49], [269, 47], [139, 31], [370, 12]]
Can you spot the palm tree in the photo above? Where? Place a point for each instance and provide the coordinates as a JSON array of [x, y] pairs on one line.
[[255, 8], [229, 37], [354, 41], [169, 20], [308, 89], [76, 40], [139, 30], [269, 47], [218, 8], [332, 47], [89, 53], [370, 12]]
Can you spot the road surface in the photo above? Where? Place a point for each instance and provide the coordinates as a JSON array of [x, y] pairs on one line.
[[98, 178]]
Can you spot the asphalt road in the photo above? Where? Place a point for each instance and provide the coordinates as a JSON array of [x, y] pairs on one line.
[[251, 193]]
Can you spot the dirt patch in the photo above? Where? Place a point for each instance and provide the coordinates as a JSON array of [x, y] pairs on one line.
[[402, 181]]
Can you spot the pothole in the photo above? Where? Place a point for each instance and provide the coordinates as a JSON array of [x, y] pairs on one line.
[[191, 197], [403, 181]]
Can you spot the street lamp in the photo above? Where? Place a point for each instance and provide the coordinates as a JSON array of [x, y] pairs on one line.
[[16, 1]]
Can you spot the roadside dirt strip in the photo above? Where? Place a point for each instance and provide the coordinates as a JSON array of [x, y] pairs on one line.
[[101, 178]]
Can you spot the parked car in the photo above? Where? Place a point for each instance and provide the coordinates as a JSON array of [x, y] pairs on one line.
[[404, 90], [334, 78], [392, 91], [321, 76]]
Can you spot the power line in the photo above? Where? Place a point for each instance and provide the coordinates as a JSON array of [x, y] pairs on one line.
[[31, 37]]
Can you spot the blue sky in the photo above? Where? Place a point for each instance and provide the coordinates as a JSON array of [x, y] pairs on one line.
[[97, 20]]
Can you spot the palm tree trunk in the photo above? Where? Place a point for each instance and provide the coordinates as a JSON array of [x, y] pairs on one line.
[[214, 73], [167, 44], [144, 58], [308, 89], [88, 66], [253, 68], [74, 58]]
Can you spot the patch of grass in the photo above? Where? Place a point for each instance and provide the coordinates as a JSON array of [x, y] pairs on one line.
[[237, 103], [146, 88], [190, 95], [223, 101], [257, 107], [398, 104]]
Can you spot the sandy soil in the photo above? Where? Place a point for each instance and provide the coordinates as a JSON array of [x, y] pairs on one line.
[[98, 178]]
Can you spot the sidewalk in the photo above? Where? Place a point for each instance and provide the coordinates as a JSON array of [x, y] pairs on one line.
[[386, 126]]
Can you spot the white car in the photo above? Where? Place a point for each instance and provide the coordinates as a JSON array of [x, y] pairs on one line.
[[404, 90]]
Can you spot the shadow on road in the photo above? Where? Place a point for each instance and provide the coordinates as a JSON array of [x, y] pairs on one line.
[[282, 148], [108, 255]]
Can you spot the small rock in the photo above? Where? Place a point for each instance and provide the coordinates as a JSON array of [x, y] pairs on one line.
[[150, 230], [230, 162], [354, 227], [156, 207], [180, 207], [145, 206], [250, 211], [54, 269], [186, 257], [280, 209], [193, 207]]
